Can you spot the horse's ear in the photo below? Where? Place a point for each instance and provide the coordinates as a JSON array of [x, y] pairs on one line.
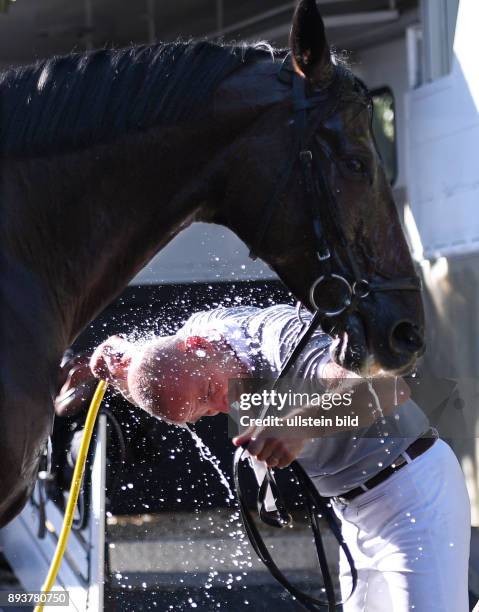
[[309, 46]]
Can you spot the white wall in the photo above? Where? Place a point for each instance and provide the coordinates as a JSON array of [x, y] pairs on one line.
[[203, 253], [443, 159]]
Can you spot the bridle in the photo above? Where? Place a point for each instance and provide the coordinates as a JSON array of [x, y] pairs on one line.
[[347, 293], [332, 295]]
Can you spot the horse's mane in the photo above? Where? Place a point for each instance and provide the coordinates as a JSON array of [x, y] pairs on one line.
[[73, 100]]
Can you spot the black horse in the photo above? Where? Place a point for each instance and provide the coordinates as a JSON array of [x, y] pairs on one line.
[[106, 156]]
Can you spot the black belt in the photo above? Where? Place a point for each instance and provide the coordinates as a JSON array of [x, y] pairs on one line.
[[418, 447]]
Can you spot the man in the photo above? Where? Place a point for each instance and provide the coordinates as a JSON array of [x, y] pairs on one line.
[[398, 491]]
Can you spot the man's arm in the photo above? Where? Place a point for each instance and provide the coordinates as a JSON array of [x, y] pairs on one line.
[[279, 446], [276, 336]]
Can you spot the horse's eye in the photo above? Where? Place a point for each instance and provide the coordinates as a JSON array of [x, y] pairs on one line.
[[356, 165]]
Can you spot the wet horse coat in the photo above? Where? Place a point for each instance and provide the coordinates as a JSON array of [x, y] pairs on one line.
[[106, 156]]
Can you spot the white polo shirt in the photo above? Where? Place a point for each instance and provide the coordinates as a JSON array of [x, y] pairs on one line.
[[263, 339]]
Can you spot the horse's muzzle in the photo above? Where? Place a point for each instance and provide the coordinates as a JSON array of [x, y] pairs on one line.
[[366, 351]]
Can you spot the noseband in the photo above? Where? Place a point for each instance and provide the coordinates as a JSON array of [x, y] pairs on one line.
[[331, 294]]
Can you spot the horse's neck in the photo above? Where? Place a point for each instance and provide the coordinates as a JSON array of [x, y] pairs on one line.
[[87, 221], [107, 211]]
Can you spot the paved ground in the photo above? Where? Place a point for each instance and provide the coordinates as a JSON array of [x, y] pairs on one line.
[[201, 562], [163, 563], [180, 561]]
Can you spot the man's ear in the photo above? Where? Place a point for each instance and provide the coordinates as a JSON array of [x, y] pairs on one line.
[[195, 343], [309, 46]]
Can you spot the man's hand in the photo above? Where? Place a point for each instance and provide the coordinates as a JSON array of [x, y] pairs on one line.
[[110, 362], [275, 452], [76, 386]]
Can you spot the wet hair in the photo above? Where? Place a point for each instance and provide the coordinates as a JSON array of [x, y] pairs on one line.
[[144, 376]]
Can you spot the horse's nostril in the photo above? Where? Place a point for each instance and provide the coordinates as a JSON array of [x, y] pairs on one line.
[[407, 338]]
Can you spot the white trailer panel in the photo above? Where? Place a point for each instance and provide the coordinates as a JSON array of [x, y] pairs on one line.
[[443, 164]]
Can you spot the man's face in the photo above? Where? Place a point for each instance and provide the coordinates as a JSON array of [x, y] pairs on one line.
[[186, 379]]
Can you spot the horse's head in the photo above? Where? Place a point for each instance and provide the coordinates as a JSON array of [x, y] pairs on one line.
[[322, 212]]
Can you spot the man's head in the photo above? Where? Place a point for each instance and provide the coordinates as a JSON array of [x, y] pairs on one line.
[[174, 378]]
